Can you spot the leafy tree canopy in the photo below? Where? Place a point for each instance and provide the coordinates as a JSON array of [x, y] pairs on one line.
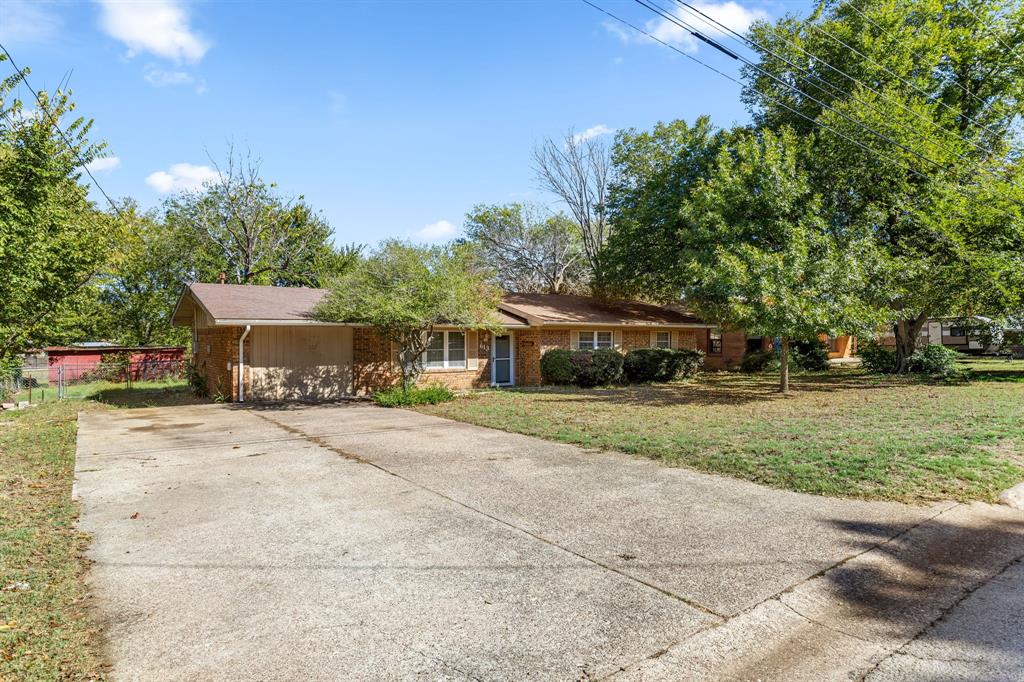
[[240, 225], [405, 291], [529, 248], [938, 183], [757, 253], [52, 239]]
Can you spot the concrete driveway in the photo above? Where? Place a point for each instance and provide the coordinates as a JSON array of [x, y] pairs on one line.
[[352, 542]]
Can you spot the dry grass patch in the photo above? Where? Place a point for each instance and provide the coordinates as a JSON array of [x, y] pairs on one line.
[[840, 433]]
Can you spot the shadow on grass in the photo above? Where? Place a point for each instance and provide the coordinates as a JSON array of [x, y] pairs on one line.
[[720, 388]]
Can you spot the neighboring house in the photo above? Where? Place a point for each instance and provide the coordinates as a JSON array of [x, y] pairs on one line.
[[952, 332], [286, 354], [840, 347], [81, 360]]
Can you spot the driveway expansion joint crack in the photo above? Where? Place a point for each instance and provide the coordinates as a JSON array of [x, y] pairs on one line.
[[317, 440]]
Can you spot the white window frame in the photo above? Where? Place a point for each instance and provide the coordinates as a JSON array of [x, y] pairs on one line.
[[594, 343], [656, 341], [447, 364]]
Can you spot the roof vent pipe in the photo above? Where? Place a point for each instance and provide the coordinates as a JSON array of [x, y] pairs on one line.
[[241, 363]]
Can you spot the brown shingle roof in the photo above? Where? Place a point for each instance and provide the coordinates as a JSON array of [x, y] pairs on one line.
[[568, 309], [237, 303], [255, 303]]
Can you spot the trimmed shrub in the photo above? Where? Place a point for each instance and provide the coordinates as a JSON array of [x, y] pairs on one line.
[[556, 367], [934, 360], [810, 355], [397, 396], [597, 367], [760, 361], [877, 358], [687, 362], [660, 364], [647, 364]]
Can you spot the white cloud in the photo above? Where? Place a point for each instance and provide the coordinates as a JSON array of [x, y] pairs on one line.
[[730, 14], [154, 75], [160, 77], [181, 177], [592, 132], [433, 232], [23, 22], [107, 163], [159, 27]]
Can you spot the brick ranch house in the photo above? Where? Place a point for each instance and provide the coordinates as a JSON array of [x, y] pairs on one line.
[[261, 342]]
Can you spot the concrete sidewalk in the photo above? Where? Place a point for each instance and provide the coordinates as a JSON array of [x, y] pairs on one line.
[[344, 541]]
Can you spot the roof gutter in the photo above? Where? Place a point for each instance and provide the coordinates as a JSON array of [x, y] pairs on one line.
[[241, 363]]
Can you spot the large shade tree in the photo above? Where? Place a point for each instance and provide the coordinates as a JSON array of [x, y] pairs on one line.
[[654, 173], [914, 109], [529, 248], [757, 253], [240, 224], [404, 291], [53, 240]]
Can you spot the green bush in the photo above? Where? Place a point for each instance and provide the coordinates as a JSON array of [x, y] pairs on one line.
[[596, 367], [660, 364], [935, 360], [877, 358], [556, 367], [685, 362], [398, 396], [647, 364], [811, 355], [760, 361]]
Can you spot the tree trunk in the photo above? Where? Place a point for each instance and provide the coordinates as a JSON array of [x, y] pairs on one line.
[[784, 369], [907, 333]]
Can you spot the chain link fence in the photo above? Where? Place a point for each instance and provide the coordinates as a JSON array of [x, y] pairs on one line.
[[32, 383]]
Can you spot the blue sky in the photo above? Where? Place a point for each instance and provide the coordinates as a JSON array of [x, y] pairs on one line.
[[392, 119]]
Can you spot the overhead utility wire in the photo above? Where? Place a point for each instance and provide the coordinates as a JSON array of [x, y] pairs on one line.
[[682, 24], [782, 104], [914, 53], [897, 76], [988, 29], [711, 21], [56, 124]]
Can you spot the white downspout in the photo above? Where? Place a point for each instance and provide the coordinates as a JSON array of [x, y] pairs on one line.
[[241, 363]]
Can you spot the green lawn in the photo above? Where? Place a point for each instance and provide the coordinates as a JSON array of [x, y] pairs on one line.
[[45, 632], [840, 433]]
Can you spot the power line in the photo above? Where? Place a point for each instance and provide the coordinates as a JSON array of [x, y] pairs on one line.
[[988, 29], [898, 77], [711, 21], [56, 125], [779, 102], [682, 24], [71, 147]]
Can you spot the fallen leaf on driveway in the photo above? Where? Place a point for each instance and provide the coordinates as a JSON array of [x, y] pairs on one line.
[[135, 515]]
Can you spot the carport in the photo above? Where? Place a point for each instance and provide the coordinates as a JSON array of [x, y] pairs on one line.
[[260, 343]]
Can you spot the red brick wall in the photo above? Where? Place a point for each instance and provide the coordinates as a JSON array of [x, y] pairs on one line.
[[635, 338], [373, 364], [528, 352], [734, 347], [216, 350]]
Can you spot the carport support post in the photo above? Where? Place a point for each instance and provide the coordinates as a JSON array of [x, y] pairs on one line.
[[241, 363]]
